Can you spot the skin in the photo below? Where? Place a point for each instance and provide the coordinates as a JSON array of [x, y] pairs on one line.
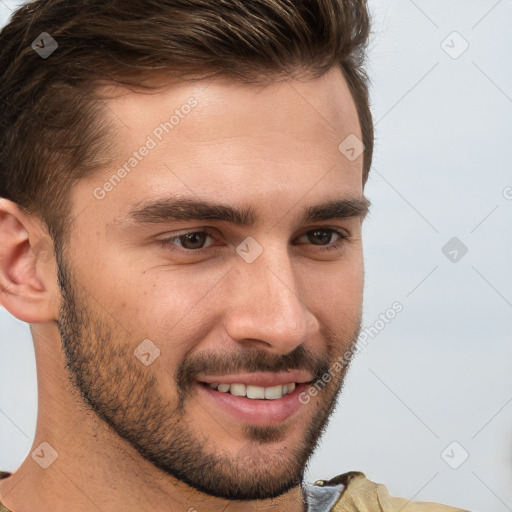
[[128, 436]]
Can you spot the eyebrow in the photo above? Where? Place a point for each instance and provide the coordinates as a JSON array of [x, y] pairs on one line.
[[182, 208]]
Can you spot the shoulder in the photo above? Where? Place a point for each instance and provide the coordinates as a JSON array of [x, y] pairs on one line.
[[363, 495]]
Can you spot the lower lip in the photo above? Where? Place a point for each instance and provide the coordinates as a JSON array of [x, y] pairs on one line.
[[255, 412]]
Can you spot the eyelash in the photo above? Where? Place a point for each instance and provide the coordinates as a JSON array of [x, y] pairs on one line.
[[168, 244]]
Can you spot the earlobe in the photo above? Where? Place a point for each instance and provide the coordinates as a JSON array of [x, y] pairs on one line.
[[27, 269]]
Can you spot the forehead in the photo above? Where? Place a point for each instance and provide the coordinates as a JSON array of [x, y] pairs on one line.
[[232, 141]]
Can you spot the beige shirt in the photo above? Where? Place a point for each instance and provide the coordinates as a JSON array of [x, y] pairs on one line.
[[363, 495]]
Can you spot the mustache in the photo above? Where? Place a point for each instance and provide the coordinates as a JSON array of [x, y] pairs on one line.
[[249, 361]]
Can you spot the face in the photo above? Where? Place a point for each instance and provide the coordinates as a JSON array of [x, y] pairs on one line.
[[210, 284]]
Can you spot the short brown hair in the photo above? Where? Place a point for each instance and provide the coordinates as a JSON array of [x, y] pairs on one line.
[[50, 134]]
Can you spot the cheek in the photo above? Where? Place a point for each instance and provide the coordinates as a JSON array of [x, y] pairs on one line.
[[173, 308], [145, 296], [335, 296], [183, 304], [167, 299]]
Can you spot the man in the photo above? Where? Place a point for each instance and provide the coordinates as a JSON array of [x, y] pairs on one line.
[[180, 224]]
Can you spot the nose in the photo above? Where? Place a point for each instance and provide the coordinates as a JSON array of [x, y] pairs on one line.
[[265, 307]]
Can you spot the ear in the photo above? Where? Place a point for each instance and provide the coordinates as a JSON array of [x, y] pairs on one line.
[[28, 274]]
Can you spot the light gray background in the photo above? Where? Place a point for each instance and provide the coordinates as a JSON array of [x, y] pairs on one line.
[[439, 372]]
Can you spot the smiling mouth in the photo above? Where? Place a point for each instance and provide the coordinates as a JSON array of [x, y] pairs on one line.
[[255, 398], [254, 392]]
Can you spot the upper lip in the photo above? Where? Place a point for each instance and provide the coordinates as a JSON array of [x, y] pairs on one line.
[[261, 379]]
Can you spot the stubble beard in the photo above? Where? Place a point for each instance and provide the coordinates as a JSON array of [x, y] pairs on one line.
[[125, 395]]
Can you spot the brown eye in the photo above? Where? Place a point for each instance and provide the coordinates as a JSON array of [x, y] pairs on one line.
[[322, 237], [193, 240]]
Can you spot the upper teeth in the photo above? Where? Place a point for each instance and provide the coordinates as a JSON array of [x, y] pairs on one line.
[[255, 392]]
